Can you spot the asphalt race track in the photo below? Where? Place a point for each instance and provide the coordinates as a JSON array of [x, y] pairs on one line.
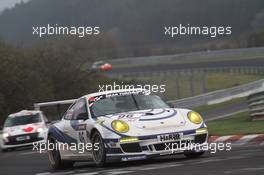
[[240, 160], [199, 65]]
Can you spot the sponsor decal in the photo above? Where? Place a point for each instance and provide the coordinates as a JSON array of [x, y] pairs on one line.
[[108, 95], [170, 137], [129, 116], [91, 100], [22, 138], [28, 129], [82, 127]]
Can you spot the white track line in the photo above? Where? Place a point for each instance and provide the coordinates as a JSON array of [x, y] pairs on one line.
[[160, 167], [91, 173], [29, 153], [46, 173], [119, 172]]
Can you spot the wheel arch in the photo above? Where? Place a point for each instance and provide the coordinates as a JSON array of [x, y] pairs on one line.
[[93, 131]]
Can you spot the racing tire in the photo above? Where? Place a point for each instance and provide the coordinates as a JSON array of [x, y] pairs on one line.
[[99, 155], [194, 154], [55, 158], [4, 150]]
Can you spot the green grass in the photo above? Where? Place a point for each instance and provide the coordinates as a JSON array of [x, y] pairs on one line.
[[210, 80], [207, 108], [238, 124], [191, 59], [216, 81]]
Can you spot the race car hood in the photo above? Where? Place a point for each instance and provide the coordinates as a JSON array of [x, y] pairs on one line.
[[149, 120]]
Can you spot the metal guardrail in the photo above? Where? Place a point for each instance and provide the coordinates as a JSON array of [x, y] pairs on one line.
[[200, 100], [220, 95], [256, 105]]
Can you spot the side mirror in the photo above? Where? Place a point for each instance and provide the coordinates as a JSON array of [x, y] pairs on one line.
[[82, 116]]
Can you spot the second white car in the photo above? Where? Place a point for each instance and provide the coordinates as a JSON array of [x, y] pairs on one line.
[[23, 129]]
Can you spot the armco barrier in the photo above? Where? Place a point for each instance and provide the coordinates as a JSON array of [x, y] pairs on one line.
[[220, 95], [256, 105], [204, 99]]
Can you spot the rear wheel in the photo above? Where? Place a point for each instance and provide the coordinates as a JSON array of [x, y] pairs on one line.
[[55, 158], [194, 154], [98, 151]]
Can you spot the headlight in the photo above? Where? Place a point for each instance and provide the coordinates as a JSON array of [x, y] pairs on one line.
[[5, 135], [120, 126], [40, 130], [194, 117]]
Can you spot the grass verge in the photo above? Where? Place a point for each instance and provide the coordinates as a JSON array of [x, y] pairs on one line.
[[207, 108], [187, 60], [238, 124], [186, 84]]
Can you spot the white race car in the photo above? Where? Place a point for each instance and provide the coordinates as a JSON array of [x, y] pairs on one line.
[[123, 125], [23, 128]]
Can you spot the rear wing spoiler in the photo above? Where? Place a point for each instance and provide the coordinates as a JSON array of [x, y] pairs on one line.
[[53, 103], [57, 104]]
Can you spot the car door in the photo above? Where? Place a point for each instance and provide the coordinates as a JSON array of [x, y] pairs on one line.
[[75, 125]]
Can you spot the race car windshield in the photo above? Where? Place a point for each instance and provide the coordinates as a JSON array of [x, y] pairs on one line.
[[118, 104], [22, 120]]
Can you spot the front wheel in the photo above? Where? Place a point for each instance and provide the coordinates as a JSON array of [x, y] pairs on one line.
[[55, 158], [194, 154], [99, 154], [4, 150]]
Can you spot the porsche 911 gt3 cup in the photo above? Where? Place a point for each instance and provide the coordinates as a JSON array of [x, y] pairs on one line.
[[124, 125], [24, 128]]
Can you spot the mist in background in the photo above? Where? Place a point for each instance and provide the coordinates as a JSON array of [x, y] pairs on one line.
[[135, 27], [9, 3], [57, 67]]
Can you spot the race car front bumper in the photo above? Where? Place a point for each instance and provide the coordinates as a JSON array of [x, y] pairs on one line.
[[146, 147], [23, 140]]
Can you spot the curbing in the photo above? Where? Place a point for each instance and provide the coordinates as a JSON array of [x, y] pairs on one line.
[[239, 140]]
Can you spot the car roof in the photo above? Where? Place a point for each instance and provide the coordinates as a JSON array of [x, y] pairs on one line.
[[24, 112]]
